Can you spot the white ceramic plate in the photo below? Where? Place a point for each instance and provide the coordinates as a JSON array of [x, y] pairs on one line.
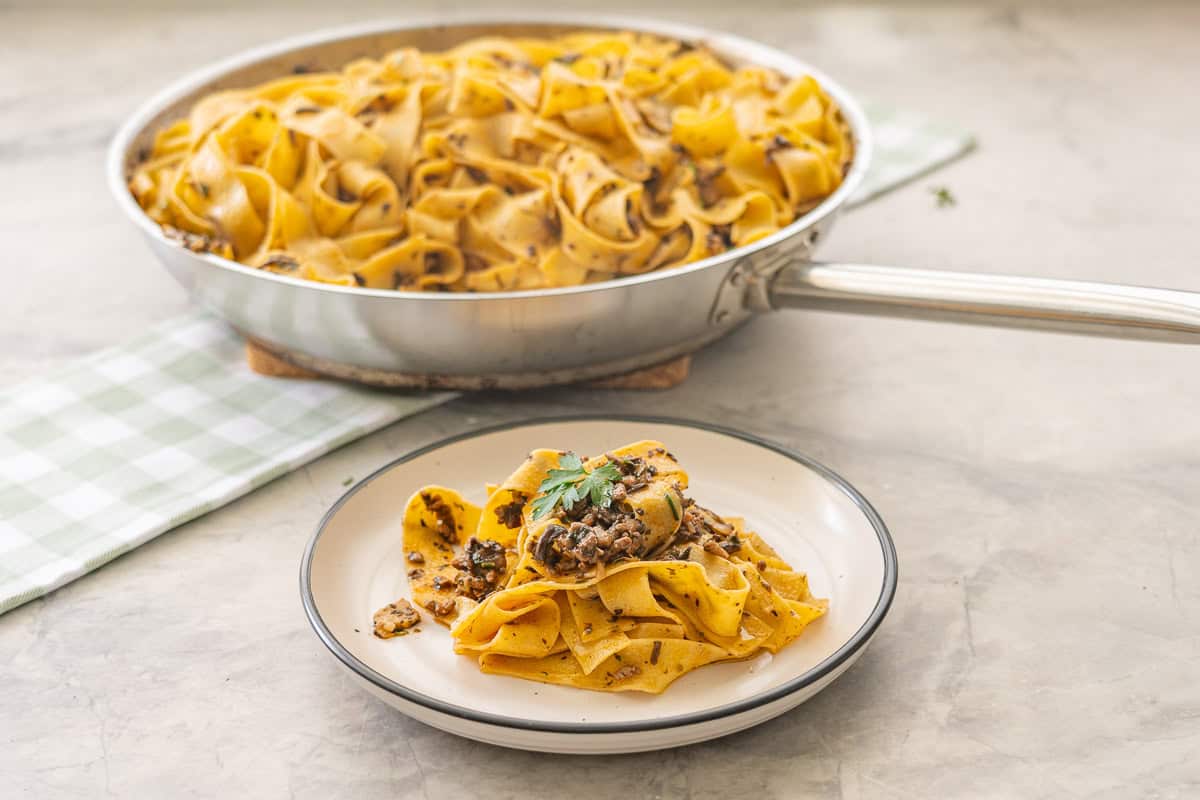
[[818, 523]]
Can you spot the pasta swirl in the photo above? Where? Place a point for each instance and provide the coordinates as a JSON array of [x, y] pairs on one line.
[[500, 164], [626, 596]]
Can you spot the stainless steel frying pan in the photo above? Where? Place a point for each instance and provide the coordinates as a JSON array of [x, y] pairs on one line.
[[532, 338]]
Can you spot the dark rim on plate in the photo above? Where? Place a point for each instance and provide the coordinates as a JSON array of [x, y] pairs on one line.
[[852, 646]]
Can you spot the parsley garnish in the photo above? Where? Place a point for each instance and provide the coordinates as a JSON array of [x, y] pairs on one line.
[[944, 197], [671, 503], [570, 483]]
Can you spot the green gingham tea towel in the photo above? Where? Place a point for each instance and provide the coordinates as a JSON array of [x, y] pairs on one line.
[[907, 146], [137, 439], [117, 448]]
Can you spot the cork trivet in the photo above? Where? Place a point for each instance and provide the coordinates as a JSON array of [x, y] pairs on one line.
[[271, 365], [660, 376]]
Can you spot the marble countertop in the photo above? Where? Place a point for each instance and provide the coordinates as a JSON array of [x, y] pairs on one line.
[[1042, 490]]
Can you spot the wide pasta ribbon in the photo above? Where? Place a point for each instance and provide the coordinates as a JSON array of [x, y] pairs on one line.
[[688, 599]]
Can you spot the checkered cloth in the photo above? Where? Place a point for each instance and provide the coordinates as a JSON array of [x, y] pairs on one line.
[[907, 146], [137, 439], [115, 449]]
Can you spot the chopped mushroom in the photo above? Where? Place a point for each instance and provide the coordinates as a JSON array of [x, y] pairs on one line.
[[626, 672], [441, 608], [445, 524], [509, 514], [395, 619], [480, 568]]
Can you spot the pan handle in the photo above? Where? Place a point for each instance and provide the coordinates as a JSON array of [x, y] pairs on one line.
[[1098, 309]]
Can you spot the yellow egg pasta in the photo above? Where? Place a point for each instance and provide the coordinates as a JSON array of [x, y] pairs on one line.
[[599, 574], [500, 164]]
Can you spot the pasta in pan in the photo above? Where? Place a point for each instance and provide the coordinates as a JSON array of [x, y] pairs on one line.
[[500, 164], [596, 573]]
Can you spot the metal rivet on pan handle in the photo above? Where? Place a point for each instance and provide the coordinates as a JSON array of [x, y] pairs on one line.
[[746, 285]]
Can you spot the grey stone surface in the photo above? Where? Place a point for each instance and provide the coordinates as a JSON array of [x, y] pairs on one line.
[[1045, 640]]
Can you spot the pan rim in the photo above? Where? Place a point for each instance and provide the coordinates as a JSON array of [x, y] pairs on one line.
[[118, 150], [848, 650]]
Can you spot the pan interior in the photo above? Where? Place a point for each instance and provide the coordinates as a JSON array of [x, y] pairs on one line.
[[331, 49], [330, 54]]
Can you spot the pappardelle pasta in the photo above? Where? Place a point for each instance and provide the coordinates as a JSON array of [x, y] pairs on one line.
[[596, 573], [500, 164]]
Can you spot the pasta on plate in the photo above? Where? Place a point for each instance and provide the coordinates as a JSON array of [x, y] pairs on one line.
[[599, 574], [500, 164]]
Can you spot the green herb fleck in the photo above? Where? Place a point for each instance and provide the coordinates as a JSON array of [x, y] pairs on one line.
[[945, 199], [674, 508], [571, 483], [348, 481]]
